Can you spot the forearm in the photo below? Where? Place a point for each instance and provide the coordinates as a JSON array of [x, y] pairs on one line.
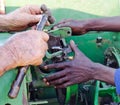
[[6, 60], [104, 73], [103, 24]]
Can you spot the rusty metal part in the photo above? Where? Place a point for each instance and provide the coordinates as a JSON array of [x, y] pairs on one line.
[[47, 16], [47, 11], [43, 7], [17, 83]]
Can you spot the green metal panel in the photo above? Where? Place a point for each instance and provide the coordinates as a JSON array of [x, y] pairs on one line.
[[76, 9]]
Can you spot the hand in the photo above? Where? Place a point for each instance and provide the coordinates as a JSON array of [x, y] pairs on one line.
[[78, 27], [23, 18], [80, 69], [27, 48]]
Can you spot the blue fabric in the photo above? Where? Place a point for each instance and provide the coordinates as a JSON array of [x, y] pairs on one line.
[[117, 80]]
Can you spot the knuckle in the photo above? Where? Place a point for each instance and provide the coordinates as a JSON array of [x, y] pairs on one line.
[[67, 77], [69, 64], [65, 72], [59, 81], [65, 85], [40, 62], [57, 65], [45, 47], [45, 36]]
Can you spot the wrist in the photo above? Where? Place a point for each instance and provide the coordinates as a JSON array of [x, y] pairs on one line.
[[94, 25], [90, 24], [8, 60], [104, 73]]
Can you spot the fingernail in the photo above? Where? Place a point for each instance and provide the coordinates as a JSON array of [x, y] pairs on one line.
[[71, 41], [38, 16], [47, 83], [47, 23], [44, 80], [45, 67], [70, 57]]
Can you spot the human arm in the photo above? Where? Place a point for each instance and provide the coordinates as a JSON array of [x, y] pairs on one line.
[[24, 48], [80, 69], [98, 24], [21, 18]]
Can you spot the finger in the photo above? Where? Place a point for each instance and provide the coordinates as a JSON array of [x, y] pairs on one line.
[[41, 53], [61, 22], [59, 81], [38, 62], [40, 34], [34, 18], [47, 23], [57, 65], [55, 76], [44, 35], [74, 47], [66, 24], [34, 27], [34, 9], [64, 85]]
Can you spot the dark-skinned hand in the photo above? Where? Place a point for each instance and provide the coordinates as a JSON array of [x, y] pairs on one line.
[[77, 26], [78, 70]]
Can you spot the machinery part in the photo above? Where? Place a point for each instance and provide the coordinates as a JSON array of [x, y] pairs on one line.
[[112, 59], [67, 96], [43, 8], [57, 48], [17, 83], [42, 22], [45, 17], [46, 10], [99, 41], [58, 52], [62, 32], [22, 71]]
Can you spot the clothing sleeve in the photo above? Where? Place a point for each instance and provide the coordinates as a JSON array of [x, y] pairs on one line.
[[117, 80]]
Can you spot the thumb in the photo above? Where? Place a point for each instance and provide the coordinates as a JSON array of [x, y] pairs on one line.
[[44, 35], [74, 47]]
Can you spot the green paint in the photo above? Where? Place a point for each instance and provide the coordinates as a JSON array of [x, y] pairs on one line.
[[75, 9]]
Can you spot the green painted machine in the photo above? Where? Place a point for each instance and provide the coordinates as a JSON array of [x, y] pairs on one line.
[[102, 47]]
